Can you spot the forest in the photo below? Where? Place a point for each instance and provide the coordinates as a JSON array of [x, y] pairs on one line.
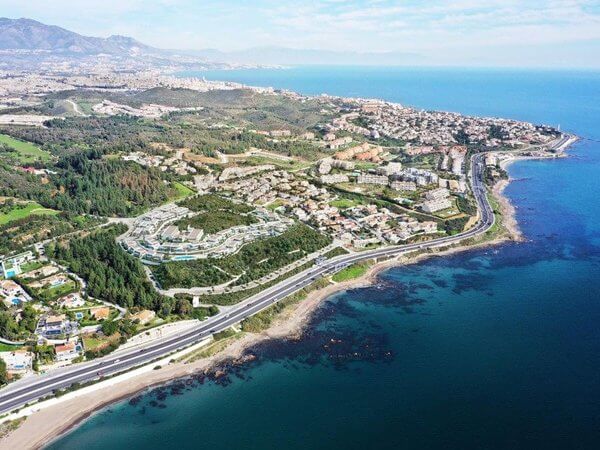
[[110, 272], [215, 214], [87, 183]]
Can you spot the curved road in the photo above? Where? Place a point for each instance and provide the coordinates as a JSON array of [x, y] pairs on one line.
[[33, 388]]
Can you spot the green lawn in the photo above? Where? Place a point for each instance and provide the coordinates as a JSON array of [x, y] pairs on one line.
[[30, 266], [182, 191], [343, 203], [336, 252], [9, 348], [351, 272], [92, 343], [22, 210], [54, 292], [27, 152], [453, 211], [275, 204]]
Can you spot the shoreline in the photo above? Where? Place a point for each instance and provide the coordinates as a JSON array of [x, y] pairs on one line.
[[50, 423]]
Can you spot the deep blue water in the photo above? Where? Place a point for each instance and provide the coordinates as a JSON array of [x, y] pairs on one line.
[[487, 349], [540, 96]]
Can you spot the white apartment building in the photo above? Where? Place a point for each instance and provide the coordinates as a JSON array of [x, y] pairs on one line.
[[334, 178], [392, 168], [431, 206], [368, 178], [403, 185], [436, 194]]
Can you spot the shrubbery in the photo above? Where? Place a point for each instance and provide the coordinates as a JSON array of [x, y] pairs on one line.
[[253, 261]]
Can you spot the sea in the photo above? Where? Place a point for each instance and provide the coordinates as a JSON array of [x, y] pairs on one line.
[[496, 348]]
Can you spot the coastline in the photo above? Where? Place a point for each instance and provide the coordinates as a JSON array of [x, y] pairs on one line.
[[50, 423]]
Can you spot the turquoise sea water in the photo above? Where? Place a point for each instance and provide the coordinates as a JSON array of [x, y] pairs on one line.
[[487, 349]]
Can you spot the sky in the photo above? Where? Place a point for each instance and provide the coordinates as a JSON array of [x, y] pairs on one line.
[[554, 33]]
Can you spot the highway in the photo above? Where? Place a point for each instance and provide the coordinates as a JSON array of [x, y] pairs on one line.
[[33, 388]]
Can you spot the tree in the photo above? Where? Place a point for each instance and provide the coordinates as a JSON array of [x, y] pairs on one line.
[[28, 318], [127, 327], [9, 329], [109, 327], [462, 137], [111, 273], [3, 372], [44, 353], [183, 307]]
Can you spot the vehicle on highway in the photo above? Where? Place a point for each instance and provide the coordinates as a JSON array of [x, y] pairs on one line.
[[9, 399]]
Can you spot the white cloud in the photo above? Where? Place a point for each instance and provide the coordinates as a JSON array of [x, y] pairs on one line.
[[432, 27]]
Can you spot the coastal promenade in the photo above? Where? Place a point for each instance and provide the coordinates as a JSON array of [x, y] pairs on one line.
[[33, 388]]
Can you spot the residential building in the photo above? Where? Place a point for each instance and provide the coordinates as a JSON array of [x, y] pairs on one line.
[[67, 352], [403, 185], [392, 168], [344, 165], [362, 243], [324, 166], [280, 133], [100, 313], [339, 142], [431, 206], [12, 294], [334, 178], [17, 362], [144, 316], [429, 227], [436, 194], [73, 300], [12, 266], [55, 325], [372, 179]]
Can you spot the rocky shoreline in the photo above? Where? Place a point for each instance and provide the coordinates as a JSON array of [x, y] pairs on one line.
[[48, 424]]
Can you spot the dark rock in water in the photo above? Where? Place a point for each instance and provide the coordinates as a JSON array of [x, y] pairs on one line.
[[324, 341], [135, 400], [177, 388]]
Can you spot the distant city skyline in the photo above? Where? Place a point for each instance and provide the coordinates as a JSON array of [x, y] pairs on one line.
[[556, 33]]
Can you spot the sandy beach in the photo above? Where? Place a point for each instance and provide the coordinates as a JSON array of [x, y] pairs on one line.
[[47, 424]]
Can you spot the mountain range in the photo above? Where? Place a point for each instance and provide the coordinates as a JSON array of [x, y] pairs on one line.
[[28, 34], [26, 41]]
